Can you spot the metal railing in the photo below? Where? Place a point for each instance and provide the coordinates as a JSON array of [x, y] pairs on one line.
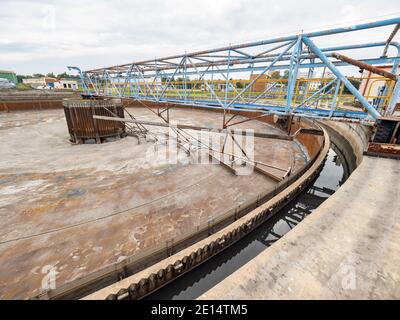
[[210, 78]]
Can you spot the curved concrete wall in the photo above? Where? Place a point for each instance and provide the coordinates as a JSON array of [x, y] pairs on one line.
[[161, 273], [357, 135], [348, 248]]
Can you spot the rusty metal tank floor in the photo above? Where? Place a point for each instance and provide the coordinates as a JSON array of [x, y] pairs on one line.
[[79, 208]]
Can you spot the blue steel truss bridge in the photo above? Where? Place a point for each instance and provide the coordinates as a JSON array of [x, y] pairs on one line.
[[244, 77]]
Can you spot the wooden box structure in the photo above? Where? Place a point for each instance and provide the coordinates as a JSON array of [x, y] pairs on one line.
[[83, 128]]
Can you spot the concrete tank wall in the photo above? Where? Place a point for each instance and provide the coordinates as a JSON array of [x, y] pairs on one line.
[[144, 282], [356, 134], [159, 274], [353, 235]]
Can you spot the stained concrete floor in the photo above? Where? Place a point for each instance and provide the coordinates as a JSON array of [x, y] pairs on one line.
[[79, 208]]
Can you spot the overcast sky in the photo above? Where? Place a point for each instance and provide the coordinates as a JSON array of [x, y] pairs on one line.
[[45, 36]]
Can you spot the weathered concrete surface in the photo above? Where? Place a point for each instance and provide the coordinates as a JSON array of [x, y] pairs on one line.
[[349, 248], [356, 135], [13, 100], [216, 237], [79, 208]]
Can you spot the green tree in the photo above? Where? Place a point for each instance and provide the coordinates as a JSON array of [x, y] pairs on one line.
[[356, 83], [65, 75], [166, 79], [276, 75], [21, 77]]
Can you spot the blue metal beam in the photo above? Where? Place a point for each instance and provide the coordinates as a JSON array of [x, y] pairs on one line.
[[275, 57], [327, 32], [294, 67], [373, 61], [371, 110]]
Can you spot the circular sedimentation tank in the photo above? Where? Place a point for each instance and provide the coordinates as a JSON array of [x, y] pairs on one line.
[[101, 212], [82, 127]]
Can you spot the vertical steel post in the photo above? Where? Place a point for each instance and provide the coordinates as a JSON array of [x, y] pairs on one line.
[[310, 75], [105, 82], [226, 89], [294, 67], [392, 102], [395, 98], [227, 77], [157, 75], [185, 79], [212, 81], [335, 98]]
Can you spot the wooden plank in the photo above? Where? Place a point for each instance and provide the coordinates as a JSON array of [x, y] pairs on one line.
[[199, 128], [267, 173]]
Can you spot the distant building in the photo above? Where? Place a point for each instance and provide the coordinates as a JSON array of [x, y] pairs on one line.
[[9, 75], [260, 84], [304, 75], [51, 83], [66, 84], [40, 83], [315, 83]]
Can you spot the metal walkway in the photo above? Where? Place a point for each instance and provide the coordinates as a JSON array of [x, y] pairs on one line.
[[214, 78]]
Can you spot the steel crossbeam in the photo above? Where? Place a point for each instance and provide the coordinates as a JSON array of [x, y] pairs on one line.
[[209, 78]]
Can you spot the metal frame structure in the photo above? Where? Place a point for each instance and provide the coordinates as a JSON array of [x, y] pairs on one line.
[[153, 80]]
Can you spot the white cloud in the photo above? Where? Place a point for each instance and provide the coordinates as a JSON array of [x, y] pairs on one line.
[[48, 35]]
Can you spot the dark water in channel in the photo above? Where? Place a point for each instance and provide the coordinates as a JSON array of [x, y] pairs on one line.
[[338, 166]]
